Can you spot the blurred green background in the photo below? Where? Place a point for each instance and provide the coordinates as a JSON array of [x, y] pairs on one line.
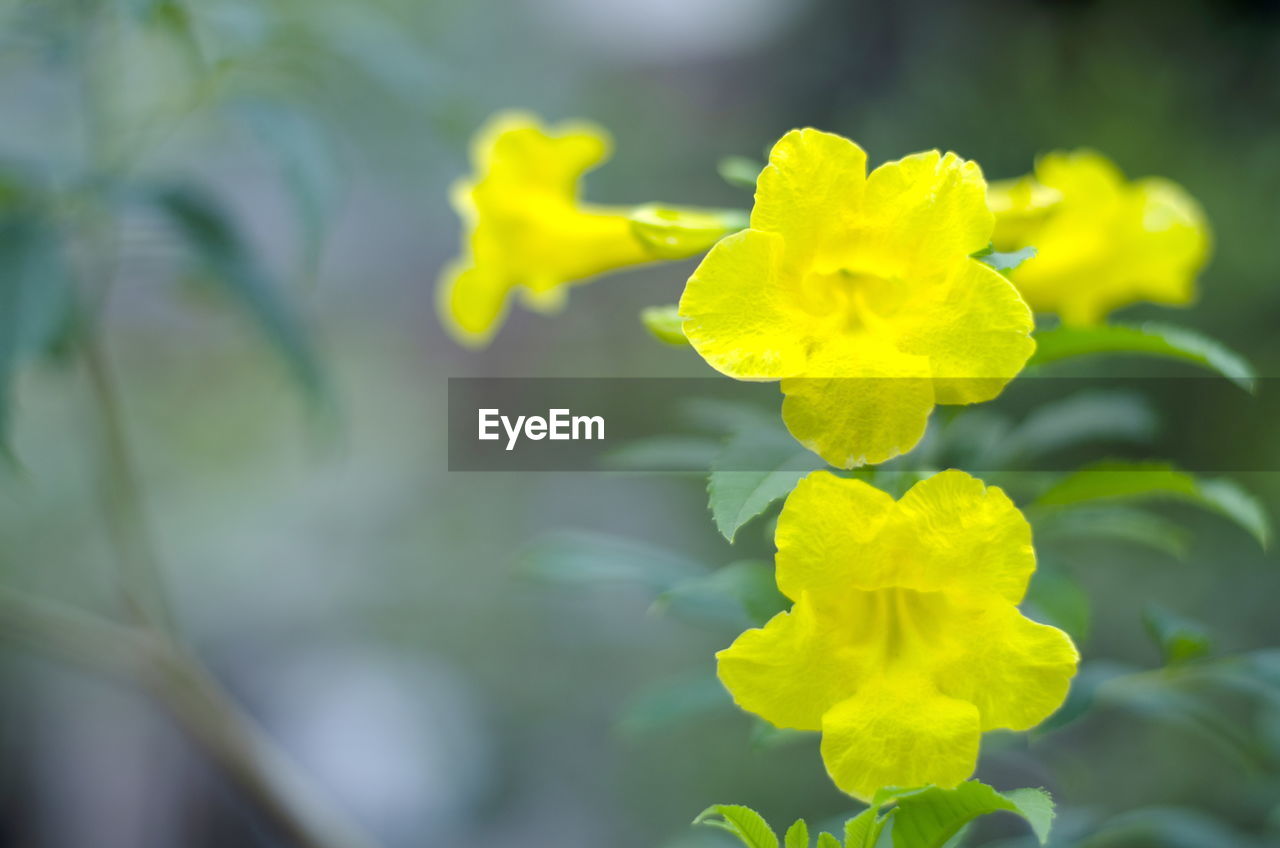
[[365, 604]]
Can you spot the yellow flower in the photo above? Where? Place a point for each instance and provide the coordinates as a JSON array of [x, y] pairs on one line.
[[858, 292], [904, 643], [1101, 242], [526, 230]]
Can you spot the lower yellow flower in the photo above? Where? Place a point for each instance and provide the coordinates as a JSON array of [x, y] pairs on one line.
[[527, 232], [1101, 242], [904, 642]]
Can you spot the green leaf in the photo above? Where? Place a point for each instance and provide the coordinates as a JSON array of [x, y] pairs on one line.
[[1085, 417], [1115, 522], [214, 239], [797, 835], [826, 840], [1004, 262], [864, 829], [36, 298], [740, 171], [673, 702], [1149, 339], [742, 594], [737, 496], [1138, 480], [927, 818], [743, 822], [308, 165], [582, 557], [1179, 638], [1057, 599], [664, 324]]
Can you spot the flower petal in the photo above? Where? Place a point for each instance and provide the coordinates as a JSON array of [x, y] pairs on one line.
[[788, 672], [471, 303], [952, 533], [823, 530], [740, 311], [514, 150], [1014, 670], [899, 732], [810, 191], [975, 329], [923, 213], [859, 401]]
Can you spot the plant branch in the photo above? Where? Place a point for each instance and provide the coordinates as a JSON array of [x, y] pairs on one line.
[[203, 708]]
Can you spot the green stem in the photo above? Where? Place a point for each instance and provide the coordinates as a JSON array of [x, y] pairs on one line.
[[195, 699]]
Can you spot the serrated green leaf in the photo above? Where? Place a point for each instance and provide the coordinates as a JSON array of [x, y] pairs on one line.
[[739, 171], [928, 817], [736, 495], [741, 594], [797, 835], [743, 822], [1149, 339], [1004, 262], [1178, 637], [665, 324], [1138, 480], [583, 557], [214, 239], [826, 840], [864, 829]]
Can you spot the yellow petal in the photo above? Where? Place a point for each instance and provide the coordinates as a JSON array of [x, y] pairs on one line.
[[899, 732], [922, 213], [859, 401], [787, 672], [953, 533], [975, 329], [513, 150], [1016, 674], [823, 530], [471, 303], [740, 311], [810, 192]]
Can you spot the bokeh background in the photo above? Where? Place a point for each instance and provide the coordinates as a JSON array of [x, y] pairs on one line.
[[370, 608]]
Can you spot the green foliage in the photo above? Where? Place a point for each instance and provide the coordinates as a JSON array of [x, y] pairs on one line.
[[36, 294], [928, 817], [1145, 480], [216, 242], [1179, 638], [1158, 340], [1114, 523], [797, 835], [740, 171], [583, 558], [1057, 599], [741, 594], [664, 324], [672, 703], [737, 496], [743, 822]]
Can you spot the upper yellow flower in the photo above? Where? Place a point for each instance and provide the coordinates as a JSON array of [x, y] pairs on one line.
[[527, 231], [905, 642], [859, 293], [1101, 242]]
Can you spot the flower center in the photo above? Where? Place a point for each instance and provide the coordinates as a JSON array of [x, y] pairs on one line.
[[900, 625], [854, 300]]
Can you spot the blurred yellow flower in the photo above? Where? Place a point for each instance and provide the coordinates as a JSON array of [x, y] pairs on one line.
[[526, 230], [858, 292], [1101, 242], [904, 643]]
